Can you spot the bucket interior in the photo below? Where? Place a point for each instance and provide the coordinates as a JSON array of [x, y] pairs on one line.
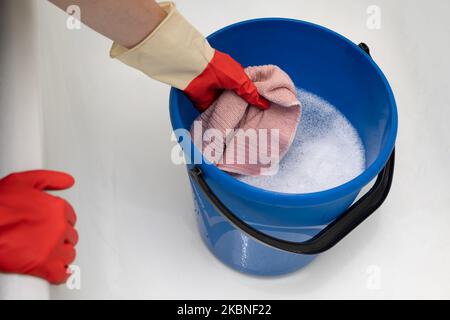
[[319, 61]]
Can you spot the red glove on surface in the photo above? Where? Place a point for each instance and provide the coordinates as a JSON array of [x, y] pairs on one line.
[[177, 54], [37, 235]]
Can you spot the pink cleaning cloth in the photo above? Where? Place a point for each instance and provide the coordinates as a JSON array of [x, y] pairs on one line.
[[230, 133]]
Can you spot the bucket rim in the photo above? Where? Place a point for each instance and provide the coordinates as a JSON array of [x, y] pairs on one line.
[[298, 199]]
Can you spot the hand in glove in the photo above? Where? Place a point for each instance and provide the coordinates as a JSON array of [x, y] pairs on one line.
[[177, 54], [37, 235]]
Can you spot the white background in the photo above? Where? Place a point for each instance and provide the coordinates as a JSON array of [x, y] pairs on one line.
[[109, 126]]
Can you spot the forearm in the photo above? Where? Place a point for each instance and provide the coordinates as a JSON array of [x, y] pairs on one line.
[[126, 22]]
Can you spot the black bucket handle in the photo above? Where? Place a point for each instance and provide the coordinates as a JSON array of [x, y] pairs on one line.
[[330, 235]]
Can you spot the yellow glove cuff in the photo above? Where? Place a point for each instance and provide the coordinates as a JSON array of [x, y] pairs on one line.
[[174, 53]]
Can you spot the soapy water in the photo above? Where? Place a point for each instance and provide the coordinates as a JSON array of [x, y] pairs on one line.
[[326, 152]]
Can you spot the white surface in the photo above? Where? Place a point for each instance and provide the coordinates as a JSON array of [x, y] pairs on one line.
[[108, 125], [326, 152], [20, 116]]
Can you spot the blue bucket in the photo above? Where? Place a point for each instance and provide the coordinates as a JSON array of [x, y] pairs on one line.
[[261, 232]]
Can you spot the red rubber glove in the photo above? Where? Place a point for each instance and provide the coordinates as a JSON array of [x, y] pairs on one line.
[[37, 235], [177, 54], [223, 73]]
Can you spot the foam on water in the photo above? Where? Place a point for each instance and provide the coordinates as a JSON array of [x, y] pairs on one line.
[[327, 152]]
